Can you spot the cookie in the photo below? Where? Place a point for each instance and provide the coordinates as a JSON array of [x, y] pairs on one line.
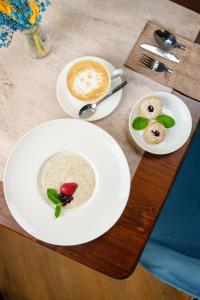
[[154, 133], [150, 107]]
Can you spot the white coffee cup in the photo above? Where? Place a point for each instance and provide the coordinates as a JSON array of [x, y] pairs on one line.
[[112, 75]]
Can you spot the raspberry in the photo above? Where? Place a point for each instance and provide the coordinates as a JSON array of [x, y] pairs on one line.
[[68, 189]]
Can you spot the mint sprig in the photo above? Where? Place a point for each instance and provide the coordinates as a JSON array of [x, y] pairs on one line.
[[58, 210], [140, 123], [166, 120], [53, 196]]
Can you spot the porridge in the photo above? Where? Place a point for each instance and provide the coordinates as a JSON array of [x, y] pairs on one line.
[[69, 178]]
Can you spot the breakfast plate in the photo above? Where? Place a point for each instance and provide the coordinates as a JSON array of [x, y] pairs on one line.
[[72, 106], [173, 138], [77, 224]]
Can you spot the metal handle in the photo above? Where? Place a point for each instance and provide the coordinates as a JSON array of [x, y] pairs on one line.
[[117, 88]]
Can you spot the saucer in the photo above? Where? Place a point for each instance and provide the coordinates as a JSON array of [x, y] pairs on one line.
[[175, 136], [72, 107]]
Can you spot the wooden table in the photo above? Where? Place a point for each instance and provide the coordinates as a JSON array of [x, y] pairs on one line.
[[192, 4], [117, 252]]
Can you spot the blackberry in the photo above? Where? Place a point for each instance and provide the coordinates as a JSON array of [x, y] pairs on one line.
[[65, 199]]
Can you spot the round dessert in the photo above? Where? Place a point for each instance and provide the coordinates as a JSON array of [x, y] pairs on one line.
[[65, 168], [154, 133], [150, 107]]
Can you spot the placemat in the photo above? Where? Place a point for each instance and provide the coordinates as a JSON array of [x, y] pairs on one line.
[[186, 73]]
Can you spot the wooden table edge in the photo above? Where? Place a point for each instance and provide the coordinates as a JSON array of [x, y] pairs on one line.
[[192, 4]]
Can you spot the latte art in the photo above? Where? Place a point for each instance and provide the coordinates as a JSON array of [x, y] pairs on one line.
[[88, 80]]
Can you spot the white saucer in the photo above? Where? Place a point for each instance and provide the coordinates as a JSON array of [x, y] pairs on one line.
[[175, 136], [76, 225], [72, 106]]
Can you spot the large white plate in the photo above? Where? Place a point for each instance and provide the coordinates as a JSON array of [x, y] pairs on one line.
[[175, 136], [78, 225], [72, 106]]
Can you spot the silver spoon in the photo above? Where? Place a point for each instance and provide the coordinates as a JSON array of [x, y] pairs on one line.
[[89, 109], [166, 40]]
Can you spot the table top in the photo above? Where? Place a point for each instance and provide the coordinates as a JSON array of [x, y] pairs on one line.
[[117, 252]]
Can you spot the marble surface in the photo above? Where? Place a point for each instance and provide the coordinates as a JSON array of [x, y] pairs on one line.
[[104, 28]]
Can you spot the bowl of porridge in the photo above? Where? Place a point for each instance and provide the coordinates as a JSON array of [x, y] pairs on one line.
[[67, 170], [59, 180]]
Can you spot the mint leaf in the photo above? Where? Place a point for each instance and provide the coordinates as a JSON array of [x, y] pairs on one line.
[[53, 196], [58, 210], [166, 120], [140, 123]]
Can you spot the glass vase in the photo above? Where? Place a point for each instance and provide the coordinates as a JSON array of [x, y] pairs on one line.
[[37, 42]]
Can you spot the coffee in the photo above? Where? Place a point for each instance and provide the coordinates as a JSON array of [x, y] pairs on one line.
[[88, 80]]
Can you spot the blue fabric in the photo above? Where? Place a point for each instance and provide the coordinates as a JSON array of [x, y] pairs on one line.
[[172, 267], [173, 250]]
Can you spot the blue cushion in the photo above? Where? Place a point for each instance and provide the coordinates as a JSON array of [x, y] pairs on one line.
[[178, 226], [173, 250], [178, 270]]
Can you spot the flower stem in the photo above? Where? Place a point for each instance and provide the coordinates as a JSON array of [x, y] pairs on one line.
[[38, 43]]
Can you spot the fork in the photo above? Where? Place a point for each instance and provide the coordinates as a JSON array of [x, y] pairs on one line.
[[153, 64]]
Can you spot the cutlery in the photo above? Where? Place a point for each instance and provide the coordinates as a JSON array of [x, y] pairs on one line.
[[154, 65], [160, 52], [89, 109], [166, 40]]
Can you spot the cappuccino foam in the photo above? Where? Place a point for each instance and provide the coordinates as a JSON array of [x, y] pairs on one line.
[[88, 80]]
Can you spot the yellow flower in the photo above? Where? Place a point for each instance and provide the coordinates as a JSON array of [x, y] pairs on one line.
[[35, 12], [5, 8]]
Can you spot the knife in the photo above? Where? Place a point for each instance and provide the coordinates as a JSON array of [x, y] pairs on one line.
[[160, 52]]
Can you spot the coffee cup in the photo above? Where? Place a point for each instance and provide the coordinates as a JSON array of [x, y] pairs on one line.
[[89, 80]]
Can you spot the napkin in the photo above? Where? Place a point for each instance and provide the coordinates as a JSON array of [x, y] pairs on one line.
[[186, 74]]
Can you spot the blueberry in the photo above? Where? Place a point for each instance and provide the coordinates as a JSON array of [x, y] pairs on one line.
[[156, 133], [150, 108]]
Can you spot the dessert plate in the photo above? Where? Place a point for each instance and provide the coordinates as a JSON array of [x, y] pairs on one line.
[[175, 136], [72, 106], [76, 225]]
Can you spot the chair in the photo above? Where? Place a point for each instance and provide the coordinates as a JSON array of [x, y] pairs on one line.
[[173, 251]]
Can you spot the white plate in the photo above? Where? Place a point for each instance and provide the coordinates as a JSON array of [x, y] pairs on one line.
[[72, 106], [175, 136], [77, 225]]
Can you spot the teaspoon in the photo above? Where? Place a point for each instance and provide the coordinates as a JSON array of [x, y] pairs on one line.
[[89, 109], [166, 40]]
